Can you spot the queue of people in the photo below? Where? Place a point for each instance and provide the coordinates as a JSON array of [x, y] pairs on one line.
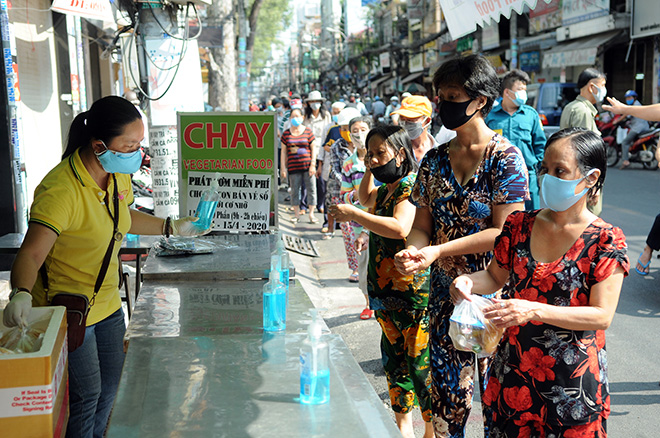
[[493, 210]]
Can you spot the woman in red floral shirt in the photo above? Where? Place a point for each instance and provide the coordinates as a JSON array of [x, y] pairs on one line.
[[561, 269]]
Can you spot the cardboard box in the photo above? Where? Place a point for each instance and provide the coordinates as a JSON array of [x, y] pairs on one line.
[[34, 390]]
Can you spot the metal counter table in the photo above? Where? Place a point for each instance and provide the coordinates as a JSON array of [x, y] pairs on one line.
[[240, 386], [235, 257], [171, 309]]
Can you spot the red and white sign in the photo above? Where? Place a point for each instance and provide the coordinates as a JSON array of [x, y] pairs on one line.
[[91, 9]]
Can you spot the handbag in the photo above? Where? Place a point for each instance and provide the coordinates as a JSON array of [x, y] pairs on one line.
[[78, 305]]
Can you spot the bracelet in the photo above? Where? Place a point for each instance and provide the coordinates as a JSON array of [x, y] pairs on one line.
[[16, 290], [167, 227]]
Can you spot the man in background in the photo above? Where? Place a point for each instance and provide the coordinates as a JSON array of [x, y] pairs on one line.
[[521, 125]]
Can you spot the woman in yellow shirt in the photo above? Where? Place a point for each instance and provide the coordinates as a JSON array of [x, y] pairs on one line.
[[80, 212]]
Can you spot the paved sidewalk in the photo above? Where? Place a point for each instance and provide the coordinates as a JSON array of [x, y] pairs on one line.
[[325, 280]]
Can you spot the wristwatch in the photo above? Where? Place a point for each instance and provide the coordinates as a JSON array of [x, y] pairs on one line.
[[16, 290]]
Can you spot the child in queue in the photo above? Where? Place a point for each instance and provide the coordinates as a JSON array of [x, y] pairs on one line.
[[399, 301]]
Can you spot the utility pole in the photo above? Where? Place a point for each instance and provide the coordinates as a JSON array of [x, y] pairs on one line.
[[243, 31], [513, 31]]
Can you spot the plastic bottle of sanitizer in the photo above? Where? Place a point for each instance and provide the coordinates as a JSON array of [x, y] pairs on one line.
[[274, 303], [207, 205], [314, 365]]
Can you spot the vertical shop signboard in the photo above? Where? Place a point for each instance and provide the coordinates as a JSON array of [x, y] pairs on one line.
[[164, 170], [238, 150]]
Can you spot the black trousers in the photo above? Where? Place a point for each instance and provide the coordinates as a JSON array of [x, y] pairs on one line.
[[653, 239]]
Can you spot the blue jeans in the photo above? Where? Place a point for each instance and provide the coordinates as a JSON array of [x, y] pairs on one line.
[[94, 370]]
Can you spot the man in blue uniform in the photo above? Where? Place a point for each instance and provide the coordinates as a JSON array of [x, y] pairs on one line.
[[521, 125]]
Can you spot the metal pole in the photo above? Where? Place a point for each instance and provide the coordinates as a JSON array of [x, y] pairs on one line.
[[513, 30], [346, 48], [242, 56]]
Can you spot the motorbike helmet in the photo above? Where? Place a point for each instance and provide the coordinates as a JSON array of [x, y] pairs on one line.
[[631, 93]]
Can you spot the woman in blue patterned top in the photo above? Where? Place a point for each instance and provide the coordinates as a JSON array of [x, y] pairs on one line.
[[464, 191]]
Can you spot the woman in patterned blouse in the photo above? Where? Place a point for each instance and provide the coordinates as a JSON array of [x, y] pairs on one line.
[[464, 191], [562, 268]]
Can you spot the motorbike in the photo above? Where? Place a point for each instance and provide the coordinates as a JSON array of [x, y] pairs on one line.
[[642, 150]]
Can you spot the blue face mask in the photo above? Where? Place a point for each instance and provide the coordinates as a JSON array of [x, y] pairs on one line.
[[520, 98], [335, 118], [630, 101], [559, 194], [296, 121], [118, 162]]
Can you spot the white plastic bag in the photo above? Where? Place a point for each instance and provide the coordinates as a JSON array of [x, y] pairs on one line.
[[621, 134], [24, 339], [471, 331]]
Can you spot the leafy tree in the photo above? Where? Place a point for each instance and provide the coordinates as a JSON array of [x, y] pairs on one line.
[[272, 16]]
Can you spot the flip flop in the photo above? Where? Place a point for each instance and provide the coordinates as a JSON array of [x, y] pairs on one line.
[[354, 278], [645, 267], [367, 313]]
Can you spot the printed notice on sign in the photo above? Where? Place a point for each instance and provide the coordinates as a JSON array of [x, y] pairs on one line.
[[244, 203]]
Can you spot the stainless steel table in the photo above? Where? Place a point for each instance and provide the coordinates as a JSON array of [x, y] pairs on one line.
[[240, 386], [235, 257], [170, 309]]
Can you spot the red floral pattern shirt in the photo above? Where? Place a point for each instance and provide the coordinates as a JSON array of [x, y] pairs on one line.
[[542, 372]]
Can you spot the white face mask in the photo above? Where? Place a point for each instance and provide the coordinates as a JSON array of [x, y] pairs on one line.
[[315, 106], [600, 94], [414, 129], [359, 139]]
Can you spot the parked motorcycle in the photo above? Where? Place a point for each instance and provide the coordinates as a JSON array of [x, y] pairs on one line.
[[642, 150]]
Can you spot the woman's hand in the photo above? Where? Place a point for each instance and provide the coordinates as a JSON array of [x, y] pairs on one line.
[[412, 260], [283, 173], [507, 313], [312, 170], [461, 289], [342, 212], [362, 242]]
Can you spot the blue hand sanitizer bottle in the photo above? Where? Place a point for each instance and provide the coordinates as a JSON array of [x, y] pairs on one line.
[[274, 303], [208, 203], [314, 365]]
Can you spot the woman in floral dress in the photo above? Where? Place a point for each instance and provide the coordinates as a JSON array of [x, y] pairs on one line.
[[464, 191], [399, 300], [562, 268]]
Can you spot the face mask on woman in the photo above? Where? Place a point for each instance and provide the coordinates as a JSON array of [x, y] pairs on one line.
[[414, 129], [315, 106], [359, 138], [296, 121], [335, 117], [559, 194], [118, 162], [388, 172], [453, 113], [346, 135]]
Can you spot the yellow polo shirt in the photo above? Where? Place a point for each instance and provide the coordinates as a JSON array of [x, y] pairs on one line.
[[69, 202]]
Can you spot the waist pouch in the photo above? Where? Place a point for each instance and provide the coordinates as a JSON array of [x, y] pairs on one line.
[[77, 308]]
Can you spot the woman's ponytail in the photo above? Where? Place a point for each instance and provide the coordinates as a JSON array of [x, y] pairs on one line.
[[105, 120]]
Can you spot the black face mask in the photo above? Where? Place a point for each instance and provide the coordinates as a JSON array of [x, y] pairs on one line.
[[388, 172], [453, 113]]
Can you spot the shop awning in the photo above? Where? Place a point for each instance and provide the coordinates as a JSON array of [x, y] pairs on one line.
[[379, 81], [411, 77], [463, 16], [582, 51]]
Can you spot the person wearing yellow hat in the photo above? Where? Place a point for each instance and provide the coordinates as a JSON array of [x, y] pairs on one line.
[[415, 117]]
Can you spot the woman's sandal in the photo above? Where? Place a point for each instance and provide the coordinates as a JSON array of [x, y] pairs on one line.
[[645, 267], [354, 278], [367, 313]]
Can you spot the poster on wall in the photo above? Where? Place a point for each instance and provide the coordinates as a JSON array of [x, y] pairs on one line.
[[238, 150]]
